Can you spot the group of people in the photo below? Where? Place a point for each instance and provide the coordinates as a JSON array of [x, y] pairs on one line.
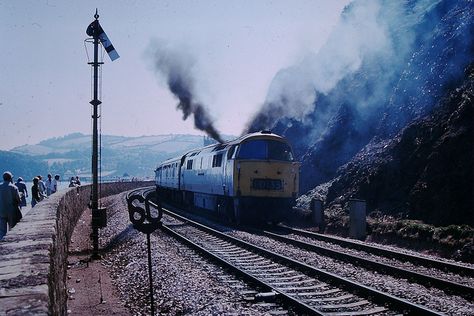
[[74, 182], [13, 197], [41, 189]]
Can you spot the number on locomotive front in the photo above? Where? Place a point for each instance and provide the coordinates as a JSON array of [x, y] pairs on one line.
[[267, 184]]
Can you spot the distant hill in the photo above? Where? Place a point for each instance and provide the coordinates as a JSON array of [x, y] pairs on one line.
[[21, 165], [71, 142], [71, 155]]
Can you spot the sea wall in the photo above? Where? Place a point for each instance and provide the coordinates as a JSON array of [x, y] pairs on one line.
[[33, 255]]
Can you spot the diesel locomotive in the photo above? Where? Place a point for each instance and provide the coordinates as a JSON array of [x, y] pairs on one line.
[[254, 177]]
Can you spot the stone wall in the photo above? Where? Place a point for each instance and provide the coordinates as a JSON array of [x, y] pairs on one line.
[[33, 255]]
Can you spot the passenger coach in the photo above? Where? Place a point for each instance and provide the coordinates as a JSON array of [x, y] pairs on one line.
[[254, 177]]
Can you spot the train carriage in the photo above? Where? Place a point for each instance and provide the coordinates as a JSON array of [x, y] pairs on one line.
[[253, 177]]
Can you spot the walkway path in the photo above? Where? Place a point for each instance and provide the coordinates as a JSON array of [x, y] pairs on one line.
[[89, 285]]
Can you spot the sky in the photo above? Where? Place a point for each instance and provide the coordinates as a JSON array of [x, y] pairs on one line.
[[237, 48]]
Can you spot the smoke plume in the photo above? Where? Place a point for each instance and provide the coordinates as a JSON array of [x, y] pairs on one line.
[[385, 64], [362, 34], [177, 67]]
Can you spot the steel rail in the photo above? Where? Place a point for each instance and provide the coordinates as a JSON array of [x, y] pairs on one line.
[[441, 265], [143, 191], [298, 305], [376, 296], [424, 279]]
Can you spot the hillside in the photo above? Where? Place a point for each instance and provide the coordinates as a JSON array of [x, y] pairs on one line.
[[425, 171], [71, 155], [21, 165], [392, 121]]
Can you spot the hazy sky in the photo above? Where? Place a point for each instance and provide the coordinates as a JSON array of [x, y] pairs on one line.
[[238, 47]]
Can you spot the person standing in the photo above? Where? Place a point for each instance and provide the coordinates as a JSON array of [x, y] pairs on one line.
[[23, 191], [41, 186], [9, 201], [72, 183], [49, 185], [36, 195], [55, 184]]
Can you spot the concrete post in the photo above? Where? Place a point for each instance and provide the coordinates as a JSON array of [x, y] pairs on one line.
[[317, 213], [357, 219]]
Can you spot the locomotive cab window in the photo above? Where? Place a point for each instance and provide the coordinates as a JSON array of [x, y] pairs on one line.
[[189, 165], [217, 160], [231, 152], [266, 150]]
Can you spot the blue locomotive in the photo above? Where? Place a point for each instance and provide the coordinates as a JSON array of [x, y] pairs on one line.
[[254, 177]]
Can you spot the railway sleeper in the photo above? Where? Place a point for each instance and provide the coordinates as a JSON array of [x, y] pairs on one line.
[[244, 256], [229, 247], [307, 288], [270, 266], [322, 293], [280, 284], [230, 253], [298, 277], [250, 263], [336, 298], [247, 258], [344, 305], [274, 274]]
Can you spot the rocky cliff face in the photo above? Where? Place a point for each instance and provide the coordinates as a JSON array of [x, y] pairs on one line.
[[425, 171], [389, 128]]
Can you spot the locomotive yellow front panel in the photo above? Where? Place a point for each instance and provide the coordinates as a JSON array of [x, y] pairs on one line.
[[259, 178]]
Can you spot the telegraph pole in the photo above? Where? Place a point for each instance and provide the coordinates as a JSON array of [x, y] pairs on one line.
[[94, 205]]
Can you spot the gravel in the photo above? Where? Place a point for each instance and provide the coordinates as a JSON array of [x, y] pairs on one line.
[[184, 283], [430, 297]]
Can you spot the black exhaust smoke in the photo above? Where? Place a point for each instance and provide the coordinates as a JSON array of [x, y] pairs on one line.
[[265, 119], [186, 104], [177, 67]]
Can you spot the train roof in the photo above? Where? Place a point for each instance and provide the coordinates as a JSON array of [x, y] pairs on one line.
[[221, 146], [217, 147], [261, 134], [170, 160]]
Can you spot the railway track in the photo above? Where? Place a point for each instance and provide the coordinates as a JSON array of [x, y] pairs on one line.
[[307, 289], [386, 261], [388, 253], [302, 287]]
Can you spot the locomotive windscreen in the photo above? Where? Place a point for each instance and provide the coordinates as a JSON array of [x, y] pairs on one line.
[[266, 150]]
